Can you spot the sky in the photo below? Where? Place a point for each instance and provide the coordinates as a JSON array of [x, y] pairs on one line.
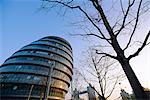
[[22, 21]]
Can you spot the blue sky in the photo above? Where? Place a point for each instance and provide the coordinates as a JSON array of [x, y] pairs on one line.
[[21, 22]]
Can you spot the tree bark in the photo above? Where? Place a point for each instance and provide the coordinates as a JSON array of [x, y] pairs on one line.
[[102, 98], [134, 82]]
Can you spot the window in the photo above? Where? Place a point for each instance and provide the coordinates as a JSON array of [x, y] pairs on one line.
[[36, 78], [56, 92], [54, 49], [31, 51], [41, 52], [19, 66], [61, 75], [50, 62], [15, 87], [24, 78], [28, 77], [51, 55], [53, 43], [58, 83]]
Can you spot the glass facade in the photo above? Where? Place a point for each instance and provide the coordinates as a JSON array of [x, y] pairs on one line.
[[40, 70]]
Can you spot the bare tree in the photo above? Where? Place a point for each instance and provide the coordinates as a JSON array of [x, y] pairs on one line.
[[76, 80], [102, 71], [99, 22], [75, 83]]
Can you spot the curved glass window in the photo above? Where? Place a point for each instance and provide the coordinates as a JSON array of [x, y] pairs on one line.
[[55, 49], [63, 68], [43, 53], [25, 68], [23, 78], [41, 47], [52, 43], [59, 84], [15, 89], [29, 58], [22, 89], [38, 91], [61, 59], [56, 92], [58, 65], [50, 40], [61, 75]]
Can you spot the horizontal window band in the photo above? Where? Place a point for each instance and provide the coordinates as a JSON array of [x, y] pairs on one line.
[[58, 39], [53, 43], [32, 71], [36, 56], [39, 56], [26, 62], [24, 52], [48, 46]]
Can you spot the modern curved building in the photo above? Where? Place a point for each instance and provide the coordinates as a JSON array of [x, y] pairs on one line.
[[39, 71]]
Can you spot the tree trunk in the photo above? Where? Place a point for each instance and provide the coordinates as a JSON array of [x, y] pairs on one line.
[[134, 82], [102, 98]]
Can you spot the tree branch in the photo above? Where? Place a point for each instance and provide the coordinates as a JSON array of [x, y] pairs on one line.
[[99, 77], [102, 53], [122, 7], [95, 90], [125, 16], [85, 13], [141, 48], [101, 12], [135, 26], [113, 88], [90, 34], [89, 84]]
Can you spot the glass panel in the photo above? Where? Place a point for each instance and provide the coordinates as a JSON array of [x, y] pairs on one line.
[[13, 89], [60, 75], [59, 58], [59, 84], [59, 51], [25, 68], [23, 78], [63, 68], [56, 92], [50, 40]]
